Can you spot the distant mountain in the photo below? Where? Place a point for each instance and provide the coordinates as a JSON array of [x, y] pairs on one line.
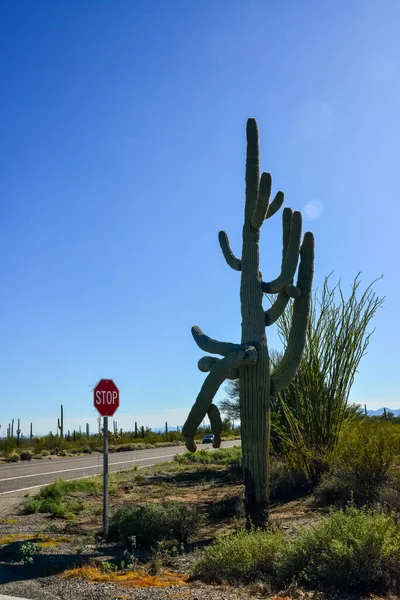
[[380, 411]]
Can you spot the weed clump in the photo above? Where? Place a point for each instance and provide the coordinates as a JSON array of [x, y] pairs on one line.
[[26, 455], [155, 522], [241, 558], [13, 457], [57, 498], [223, 456]]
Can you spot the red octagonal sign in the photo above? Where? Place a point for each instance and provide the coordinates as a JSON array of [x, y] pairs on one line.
[[106, 397]]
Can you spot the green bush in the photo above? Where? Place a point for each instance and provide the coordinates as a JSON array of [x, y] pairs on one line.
[[155, 522], [241, 558], [45, 453], [13, 457], [356, 550], [364, 461], [26, 455]]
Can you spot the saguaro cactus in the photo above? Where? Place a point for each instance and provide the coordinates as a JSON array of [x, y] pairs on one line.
[[60, 422], [18, 432], [249, 360]]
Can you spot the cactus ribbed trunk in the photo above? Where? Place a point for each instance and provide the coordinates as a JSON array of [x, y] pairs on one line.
[[254, 385]]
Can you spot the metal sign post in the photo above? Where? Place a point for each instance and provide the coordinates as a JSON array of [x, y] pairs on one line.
[[105, 478], [106, 401]]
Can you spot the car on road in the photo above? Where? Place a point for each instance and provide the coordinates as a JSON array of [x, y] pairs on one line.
[[208, 439]]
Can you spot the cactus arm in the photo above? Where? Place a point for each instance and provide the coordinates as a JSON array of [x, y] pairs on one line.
[[287, 216], [286, 369], [233, 262], [290, 291], [207, 344], [261, 208], [252, 168], [275, 205], [207, 363], [291, 258], [214, 379], [216, 424], [277, 308]]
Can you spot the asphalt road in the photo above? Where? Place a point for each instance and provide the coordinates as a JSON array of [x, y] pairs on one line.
[[21, 477]]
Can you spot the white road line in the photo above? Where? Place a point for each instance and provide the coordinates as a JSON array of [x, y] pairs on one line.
[[33, 487], [70, 459], [99, 466]]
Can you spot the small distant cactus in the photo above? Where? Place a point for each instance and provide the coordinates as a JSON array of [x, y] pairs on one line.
[[249, 360], [60, 422], [18, 432]]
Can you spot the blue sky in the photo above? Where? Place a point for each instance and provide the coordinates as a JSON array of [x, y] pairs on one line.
[[122, 155]]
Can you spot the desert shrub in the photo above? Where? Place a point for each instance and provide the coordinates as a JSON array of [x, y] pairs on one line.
[[38, 456], [241, 558], [287, 482], [336, 490], [223, 456], [363, 462], [155, 522], [228, 507], [45, 453], [86, 450], [13, 457], [125, 447], [63, 453], [56, 498], [356, 550], [26, 455]]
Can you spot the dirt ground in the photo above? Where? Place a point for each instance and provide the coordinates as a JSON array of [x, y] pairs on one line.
[[75, 543]]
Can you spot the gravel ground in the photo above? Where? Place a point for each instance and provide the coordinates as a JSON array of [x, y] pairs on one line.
[[56, 588]]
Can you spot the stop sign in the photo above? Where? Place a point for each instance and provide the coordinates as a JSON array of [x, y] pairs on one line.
[[106, 397]]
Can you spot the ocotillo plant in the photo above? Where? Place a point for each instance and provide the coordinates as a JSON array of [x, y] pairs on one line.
[[249, 361], [60, 422]]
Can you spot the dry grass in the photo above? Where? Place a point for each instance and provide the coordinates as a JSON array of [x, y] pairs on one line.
[[131, 579], [44, 541]]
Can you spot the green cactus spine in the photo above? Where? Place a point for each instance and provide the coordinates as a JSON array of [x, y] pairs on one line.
[[249, 360]]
